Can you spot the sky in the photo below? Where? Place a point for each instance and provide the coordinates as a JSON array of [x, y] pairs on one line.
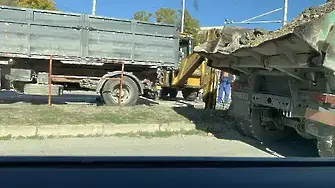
[[209, 13]]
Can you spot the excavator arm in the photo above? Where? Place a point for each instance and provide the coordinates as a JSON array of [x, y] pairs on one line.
[[194, 65]]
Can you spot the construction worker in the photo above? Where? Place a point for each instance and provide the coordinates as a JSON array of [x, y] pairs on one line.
[[224, 87]]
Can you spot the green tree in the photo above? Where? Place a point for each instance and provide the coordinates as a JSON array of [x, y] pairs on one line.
[[171, 16], [142, 16], [38, 4], [166, 15], [191, 25], [9, 2]]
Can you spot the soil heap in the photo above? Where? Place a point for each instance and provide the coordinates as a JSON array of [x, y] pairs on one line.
[[233, 38]]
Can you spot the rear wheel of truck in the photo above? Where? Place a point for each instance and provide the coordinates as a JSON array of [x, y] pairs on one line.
[[164, 92], [244, 126], [325, 147], [173, 92], [267, 131], [190, 94], [129, 94]]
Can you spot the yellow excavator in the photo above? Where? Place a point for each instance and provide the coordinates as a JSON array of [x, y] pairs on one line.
[[193, 77]]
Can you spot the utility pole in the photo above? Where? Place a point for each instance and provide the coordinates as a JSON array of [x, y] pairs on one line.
[[250, 20], [182, 18], [285, 12], [94, 6]]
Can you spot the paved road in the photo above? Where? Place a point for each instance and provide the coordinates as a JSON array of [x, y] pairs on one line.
[[124, 146]]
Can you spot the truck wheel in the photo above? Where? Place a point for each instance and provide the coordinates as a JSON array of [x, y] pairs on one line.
[[190, 94], [244, 127], [265, 131], [111, 90], [164, 92], [173, 92], [325, 147]]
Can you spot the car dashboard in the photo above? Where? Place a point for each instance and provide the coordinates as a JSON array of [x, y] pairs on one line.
[[165, 172]]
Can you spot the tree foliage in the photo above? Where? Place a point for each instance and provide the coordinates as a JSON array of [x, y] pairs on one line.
[[36, 4], [142, 16], [166, 15], [191, 25], [171, 16], [9, 2]]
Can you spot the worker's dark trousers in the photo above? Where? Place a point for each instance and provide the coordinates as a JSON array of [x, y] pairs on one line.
[[224, 87]]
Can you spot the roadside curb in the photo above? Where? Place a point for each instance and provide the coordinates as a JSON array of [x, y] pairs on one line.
[[90, 129]]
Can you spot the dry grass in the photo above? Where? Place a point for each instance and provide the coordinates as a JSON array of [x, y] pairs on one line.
[[25, 114]]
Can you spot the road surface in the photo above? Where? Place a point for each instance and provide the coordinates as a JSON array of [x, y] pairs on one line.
[[125, 146]]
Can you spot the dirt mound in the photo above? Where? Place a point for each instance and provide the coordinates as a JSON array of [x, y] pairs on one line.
[[307, 15], [233, 38]]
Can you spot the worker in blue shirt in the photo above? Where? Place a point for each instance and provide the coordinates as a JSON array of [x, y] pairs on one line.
[[224, 87]]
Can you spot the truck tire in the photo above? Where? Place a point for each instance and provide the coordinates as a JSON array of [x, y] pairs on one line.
[[260, 132], [164, 92], [244, 126], [325, 147], [173, 92], [190, 94], [130, 92]]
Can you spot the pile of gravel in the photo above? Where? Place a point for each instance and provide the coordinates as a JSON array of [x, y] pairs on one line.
[[307, 15], [233, 38]]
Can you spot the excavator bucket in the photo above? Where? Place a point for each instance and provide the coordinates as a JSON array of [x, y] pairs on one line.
[[302, 46]]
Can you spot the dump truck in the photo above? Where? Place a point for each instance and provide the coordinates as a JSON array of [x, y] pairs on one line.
[[285, 78], [84, 52]]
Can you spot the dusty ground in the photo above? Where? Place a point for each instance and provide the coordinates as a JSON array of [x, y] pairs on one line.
[[26, 114], [172, 146], [81, 108], [123, 146], [227, 142]]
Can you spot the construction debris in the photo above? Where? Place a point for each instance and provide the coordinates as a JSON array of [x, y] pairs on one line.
[[233, 38], [307, 15]]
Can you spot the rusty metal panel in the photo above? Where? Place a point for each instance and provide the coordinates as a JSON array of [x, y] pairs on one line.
[[109, 45], [109, 24], [13, 38], [133, 41], [56, 19], [55, 41], [155, 29], [11, 14], [32, 33]]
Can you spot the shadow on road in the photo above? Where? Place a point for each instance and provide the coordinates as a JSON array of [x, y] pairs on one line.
[[90, 98], [10, 97], [221, 126]]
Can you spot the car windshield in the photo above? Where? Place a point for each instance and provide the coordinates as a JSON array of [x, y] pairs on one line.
[[242, 78]]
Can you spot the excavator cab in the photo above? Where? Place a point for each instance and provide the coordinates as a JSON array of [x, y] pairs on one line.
[[191, 77], [185, 45]]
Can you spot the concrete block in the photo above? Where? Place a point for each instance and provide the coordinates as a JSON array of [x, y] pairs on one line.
[[16, 131], [177, 126], [129, 128], [69, 130]]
